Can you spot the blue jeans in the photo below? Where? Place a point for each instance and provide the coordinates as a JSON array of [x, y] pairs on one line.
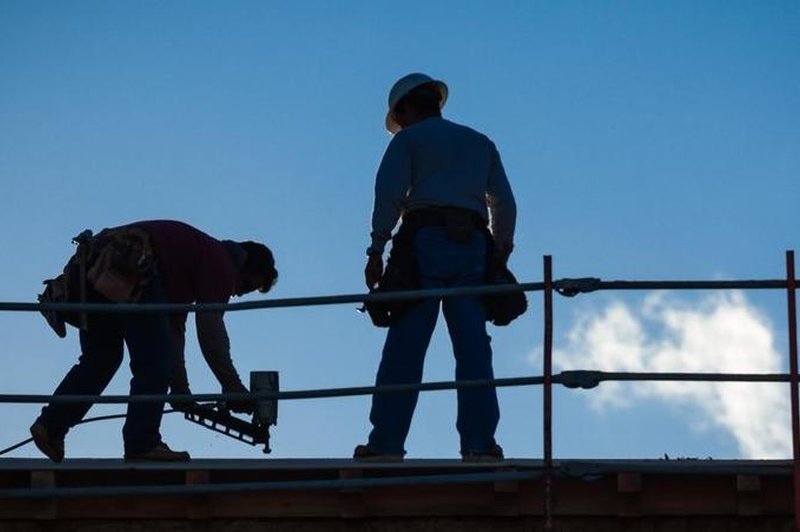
[[148, 339], [442, 263]]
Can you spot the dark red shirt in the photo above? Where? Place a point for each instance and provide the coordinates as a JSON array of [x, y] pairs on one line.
[[194, 266]]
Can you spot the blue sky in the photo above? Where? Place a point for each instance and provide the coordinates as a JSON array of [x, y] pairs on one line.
[[644, 140]]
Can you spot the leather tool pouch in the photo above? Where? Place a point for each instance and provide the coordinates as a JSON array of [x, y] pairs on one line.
[[401, 273], [55, 291], [501, 308], [122, 265], [67, 288]]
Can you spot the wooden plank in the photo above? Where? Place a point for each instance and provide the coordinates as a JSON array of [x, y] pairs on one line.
[[629, 494], [45, 509], [748, 495], [351, 500], [506, 495], [623, 492], [198, 506]]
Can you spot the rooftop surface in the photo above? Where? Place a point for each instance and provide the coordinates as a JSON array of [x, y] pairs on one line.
[[342, 491]]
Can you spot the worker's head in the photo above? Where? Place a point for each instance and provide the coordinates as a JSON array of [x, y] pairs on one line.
[[413, 98], [258, 271]]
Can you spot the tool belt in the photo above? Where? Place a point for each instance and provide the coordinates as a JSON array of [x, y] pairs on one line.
[[121, 263], [461, 225], [503, 308], [402, 272], [117, 264]]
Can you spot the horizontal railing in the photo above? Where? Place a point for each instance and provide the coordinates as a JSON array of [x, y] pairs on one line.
[[571, 379]]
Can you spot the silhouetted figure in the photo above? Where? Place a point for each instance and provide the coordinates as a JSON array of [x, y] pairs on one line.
[[158, 261], [447, 183]]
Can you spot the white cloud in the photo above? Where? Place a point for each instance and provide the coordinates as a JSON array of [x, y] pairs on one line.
[[723, 333]]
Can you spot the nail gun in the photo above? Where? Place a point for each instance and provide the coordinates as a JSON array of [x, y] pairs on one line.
[[217, 417]]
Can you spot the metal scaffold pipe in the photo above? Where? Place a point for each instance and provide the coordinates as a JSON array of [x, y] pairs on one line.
[[793, 388], [573, 379]]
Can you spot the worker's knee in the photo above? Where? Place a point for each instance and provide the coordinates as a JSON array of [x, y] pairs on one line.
[[102, 362]]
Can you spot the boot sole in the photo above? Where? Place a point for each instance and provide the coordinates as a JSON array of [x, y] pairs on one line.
[[379, 458], [158, 458]]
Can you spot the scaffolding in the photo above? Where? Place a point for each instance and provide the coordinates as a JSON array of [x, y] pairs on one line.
[[586, 379]]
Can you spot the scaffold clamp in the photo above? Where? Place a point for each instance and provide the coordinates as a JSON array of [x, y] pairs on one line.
[[572, 287]]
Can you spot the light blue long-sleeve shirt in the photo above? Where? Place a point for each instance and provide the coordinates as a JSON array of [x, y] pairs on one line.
[[436, 162]]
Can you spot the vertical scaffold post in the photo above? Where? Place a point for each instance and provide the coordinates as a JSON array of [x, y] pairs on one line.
[[792, 311], [548, 392]]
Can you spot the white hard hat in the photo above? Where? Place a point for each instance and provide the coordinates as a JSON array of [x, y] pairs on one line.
[[405, 85]]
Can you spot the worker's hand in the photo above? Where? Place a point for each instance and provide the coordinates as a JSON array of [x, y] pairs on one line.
[[240, 406], [181, 405], [373, 271]]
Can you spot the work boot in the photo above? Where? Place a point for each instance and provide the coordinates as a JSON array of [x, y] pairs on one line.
[[364, 453], [160, 453], [493, 454], [50, 445]]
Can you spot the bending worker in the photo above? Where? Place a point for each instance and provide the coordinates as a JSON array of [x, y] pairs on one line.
[[147, 262], [447, 183]]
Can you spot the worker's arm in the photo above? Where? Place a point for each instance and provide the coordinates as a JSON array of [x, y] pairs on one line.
[[179, 380], [391, 186], [215, 345], [502, 207]]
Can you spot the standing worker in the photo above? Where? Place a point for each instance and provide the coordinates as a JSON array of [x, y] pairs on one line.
[[447, 183], [159, 261]]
